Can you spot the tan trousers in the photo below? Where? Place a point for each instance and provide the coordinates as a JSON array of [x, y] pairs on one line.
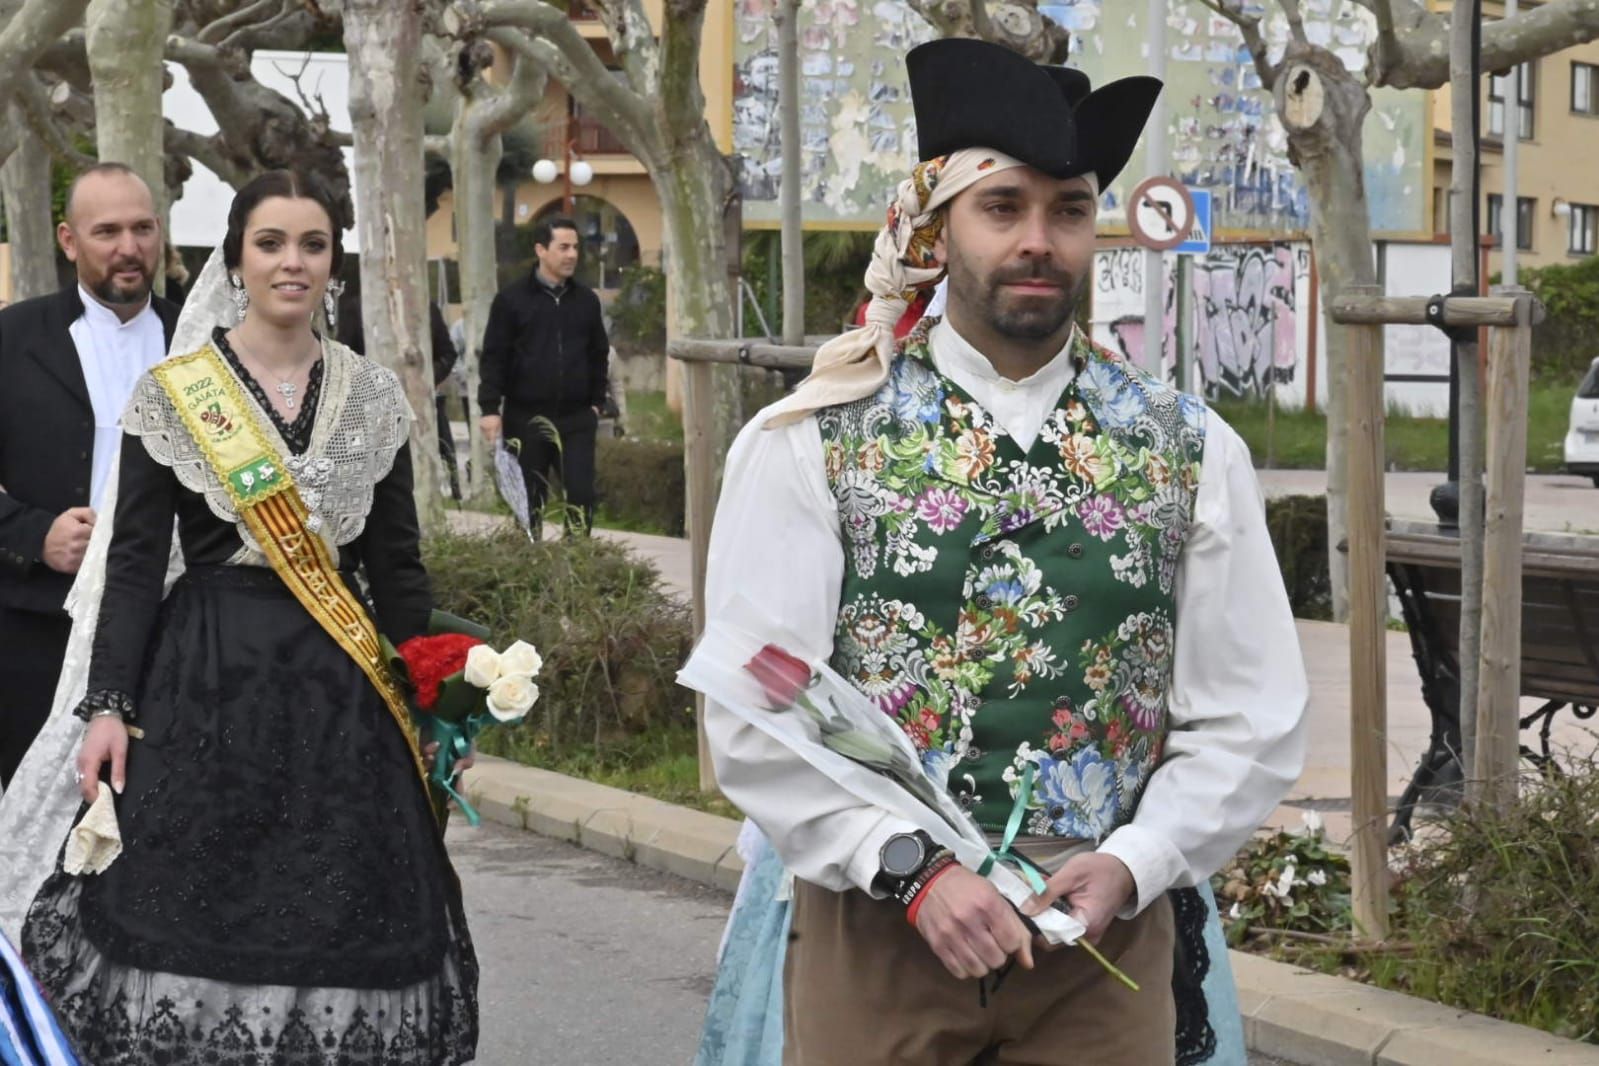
[[862, 988]]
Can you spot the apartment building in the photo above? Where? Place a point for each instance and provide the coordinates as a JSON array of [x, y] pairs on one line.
[[1556, 124]]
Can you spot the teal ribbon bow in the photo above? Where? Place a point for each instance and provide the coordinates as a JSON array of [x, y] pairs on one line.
[[1005, 854], [455, 743]]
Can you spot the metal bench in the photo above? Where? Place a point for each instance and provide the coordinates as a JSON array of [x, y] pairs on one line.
[[1559, 645]]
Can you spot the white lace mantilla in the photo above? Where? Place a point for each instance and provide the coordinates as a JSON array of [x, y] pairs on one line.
[[362, 419]]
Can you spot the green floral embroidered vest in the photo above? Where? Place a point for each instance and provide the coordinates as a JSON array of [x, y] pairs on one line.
[[1009, 608]]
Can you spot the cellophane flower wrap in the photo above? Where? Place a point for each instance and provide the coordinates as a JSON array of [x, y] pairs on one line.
[[822, 718], [459, 686]]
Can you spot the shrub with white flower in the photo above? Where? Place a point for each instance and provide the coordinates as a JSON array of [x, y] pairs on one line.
[[1285, 882]]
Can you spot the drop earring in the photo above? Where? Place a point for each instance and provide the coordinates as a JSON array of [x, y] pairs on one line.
[[240, 295], [330, 303]]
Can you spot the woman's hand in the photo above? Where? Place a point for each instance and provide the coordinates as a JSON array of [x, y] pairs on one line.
[[466, 762], [105, 741]]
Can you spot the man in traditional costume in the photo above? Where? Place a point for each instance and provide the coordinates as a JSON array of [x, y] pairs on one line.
[[1050, 568]]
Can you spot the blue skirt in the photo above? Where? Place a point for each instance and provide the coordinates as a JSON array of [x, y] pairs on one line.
[[744, 1021]]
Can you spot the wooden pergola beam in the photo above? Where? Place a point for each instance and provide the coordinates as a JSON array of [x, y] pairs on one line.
[[1370, 309], [745, 353]]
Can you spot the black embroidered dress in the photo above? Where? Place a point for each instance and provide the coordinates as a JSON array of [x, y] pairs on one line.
[[283, 897]]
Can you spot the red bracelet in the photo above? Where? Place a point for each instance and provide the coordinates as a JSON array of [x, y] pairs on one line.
[[921, 893]]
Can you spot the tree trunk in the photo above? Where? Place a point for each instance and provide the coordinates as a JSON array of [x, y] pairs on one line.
[[25, 185], [126, 41], [694, 191], [1323, 106], [474, 160], [383, 39]]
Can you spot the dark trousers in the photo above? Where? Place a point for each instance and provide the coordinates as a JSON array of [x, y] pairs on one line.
[[557, 446], [32, 646], [447, 446]]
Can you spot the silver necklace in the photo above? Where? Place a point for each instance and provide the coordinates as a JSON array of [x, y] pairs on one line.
[[285, 386]]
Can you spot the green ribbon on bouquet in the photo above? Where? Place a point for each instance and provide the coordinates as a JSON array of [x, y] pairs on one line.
[[455, 743], [1029, 869]]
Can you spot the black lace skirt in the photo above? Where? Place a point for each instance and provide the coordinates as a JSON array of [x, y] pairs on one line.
[[280, 859]]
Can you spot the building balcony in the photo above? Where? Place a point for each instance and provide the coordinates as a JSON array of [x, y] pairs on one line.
[[591, 138]]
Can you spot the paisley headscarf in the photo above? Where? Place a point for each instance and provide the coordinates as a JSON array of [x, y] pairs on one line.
[[855, 364]]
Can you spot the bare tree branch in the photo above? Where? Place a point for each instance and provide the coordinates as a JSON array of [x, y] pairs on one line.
[[211, 152], [1042, 40], [557, 46], [34, 103], [29, 32], [250, 13], [1296, 21], [1249, 26], [1421, 53]]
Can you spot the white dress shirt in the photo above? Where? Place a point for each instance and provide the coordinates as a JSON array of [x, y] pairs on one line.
[[1238, 689], [113, 354]]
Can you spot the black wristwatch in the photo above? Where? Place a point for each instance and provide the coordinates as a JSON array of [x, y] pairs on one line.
[[902, 857]]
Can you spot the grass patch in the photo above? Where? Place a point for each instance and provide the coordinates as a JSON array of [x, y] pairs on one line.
[[1297, 439], [648, 418]]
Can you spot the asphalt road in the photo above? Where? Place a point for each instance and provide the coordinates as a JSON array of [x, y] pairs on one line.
[[587, 960]]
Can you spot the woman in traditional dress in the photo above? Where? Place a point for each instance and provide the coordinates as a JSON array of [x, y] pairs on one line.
[[283, 895]]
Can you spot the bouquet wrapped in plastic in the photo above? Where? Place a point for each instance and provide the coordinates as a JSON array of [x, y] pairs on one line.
[[826, 721], [458, 687]]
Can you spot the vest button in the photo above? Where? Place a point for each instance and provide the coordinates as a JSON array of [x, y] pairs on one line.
[[973, 753], [983, 602], [1075, 551], [989, 550], [1070, 602], [1056, 813], [964, 798]]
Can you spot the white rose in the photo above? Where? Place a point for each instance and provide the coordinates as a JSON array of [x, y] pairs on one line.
[[520, 659], [482, 666], [512, 697]]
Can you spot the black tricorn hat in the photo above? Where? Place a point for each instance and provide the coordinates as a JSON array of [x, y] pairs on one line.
[[973, 94]]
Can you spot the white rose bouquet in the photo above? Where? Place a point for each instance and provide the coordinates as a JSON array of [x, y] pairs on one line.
[[458, 686]]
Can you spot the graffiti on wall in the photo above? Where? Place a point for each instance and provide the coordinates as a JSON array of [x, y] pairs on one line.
[[1245, 318], [1241, 317]]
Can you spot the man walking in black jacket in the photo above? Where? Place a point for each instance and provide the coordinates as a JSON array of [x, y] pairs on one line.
[[544, 359]]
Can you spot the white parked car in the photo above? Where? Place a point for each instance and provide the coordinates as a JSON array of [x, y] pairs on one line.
[[1582, 438]]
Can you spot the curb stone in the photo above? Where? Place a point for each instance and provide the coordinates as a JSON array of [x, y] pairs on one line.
[[1304, 1017]]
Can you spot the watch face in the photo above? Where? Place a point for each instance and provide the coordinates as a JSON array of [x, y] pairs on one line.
[[902, 855]]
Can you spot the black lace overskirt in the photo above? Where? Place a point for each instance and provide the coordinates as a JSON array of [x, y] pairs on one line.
[[274, 826], [1196, 1038]]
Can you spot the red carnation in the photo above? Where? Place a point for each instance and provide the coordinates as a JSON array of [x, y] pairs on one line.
[[430, 660]]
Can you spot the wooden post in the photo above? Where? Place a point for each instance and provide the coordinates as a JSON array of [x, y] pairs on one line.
[[1368, 610], [700, 473], [1498, 746]]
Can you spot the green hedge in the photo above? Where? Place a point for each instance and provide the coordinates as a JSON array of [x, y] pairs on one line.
[[612, 638], [641, 485], [1298, 527]]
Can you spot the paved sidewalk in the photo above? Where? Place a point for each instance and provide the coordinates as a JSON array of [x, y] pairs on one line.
[[1556, 503]]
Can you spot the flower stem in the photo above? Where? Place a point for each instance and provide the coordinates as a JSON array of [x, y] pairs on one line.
[[1110, 967]]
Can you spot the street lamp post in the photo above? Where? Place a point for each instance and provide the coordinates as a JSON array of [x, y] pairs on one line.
[[573, 168]]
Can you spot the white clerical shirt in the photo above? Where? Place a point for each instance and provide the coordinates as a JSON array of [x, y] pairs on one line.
[[113, 354], [1238, 691]]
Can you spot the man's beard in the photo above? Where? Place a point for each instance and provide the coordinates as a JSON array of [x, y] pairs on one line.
[[110, 292], [1037, 318]]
